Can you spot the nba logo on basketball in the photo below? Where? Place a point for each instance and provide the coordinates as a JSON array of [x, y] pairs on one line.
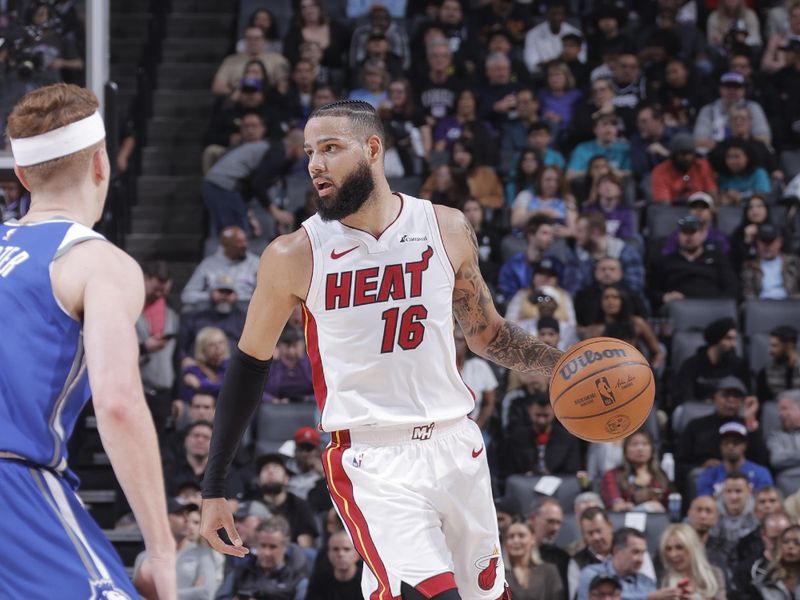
[[604, 389]]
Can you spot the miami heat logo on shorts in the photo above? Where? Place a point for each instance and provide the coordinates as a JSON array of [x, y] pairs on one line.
[[102, 589], [487, 565]]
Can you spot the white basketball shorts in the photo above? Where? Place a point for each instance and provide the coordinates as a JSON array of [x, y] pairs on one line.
[[417, 503]]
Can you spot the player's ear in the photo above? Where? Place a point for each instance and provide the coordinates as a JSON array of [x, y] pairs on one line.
[[21, 176], [374, 148], [101, 168]]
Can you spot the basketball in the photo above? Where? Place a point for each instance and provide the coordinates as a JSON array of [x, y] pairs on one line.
[[602, 389]]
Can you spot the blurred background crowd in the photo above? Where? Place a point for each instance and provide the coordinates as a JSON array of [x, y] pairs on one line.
[[630, 169]]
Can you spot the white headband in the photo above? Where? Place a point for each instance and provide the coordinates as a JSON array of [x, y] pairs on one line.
[[58, 142]]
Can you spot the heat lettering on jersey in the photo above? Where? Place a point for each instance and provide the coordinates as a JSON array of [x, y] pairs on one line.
[[370, 285], [10, 258]]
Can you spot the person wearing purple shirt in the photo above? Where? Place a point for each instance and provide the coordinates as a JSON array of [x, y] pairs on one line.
[[559, 97], [290, 375], [608, 202], [701, 205]]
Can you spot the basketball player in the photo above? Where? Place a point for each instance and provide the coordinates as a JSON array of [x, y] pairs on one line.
[[379, 276], [69, 301]]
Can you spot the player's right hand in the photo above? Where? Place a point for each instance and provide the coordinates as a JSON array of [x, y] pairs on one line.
[[215, 515], [155, 579]]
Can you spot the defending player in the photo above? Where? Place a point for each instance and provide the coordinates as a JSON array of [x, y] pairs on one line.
[[380, 276], [69, 301]]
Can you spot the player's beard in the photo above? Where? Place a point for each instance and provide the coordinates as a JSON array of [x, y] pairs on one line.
[[350, 196]]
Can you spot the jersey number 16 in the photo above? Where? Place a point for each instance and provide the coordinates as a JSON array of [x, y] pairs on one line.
[[411, 330]]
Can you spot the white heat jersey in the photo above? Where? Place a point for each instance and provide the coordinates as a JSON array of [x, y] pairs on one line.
[[379, 323]]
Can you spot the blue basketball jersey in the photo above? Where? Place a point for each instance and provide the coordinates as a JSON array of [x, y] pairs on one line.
[[43, 380]]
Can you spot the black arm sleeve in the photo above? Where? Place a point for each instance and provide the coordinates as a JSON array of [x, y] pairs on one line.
[[238, 400]]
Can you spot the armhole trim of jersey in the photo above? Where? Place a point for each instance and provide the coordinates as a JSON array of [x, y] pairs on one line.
[[75, 235], [310, 279], [449, 267]]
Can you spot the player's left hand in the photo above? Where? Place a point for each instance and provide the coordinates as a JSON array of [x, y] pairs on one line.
[[215, 515]]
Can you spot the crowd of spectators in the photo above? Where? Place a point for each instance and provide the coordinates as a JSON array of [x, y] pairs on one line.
[[564, 131]]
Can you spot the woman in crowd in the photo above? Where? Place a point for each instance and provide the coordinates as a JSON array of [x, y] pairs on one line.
[[616, 307], [638, 483], [743, 239], [482, 181], [550, 197], [406, 123], [727, 14], [686, 566], [559, 97], [489, 257], [466, 123], [207, 368], [783, 580], [523, 177], [264, 20], [608, 202], [585, 189], [739, 178], [681, 95], [446, 186], [527, 575], [312, 23], [254, 71]]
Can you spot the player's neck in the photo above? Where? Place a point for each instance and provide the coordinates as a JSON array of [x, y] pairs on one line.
[[74, 205], [380, 211]]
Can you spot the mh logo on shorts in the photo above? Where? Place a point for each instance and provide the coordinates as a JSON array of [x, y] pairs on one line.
[[103, 589], [423, 432]]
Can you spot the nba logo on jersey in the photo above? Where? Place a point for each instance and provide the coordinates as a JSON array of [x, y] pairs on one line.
[[423, 432], [102, 589]]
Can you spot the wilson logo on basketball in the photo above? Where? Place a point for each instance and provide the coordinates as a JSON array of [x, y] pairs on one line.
[[587, 358]]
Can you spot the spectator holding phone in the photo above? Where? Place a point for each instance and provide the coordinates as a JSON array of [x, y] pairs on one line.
[[686, 566]]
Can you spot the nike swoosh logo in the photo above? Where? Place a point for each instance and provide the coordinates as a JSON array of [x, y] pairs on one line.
[[477, 453], [335, 254]]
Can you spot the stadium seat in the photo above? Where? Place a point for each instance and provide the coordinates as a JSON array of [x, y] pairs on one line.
[[693, 314], [757, 351], [522, 487], [689, 411], [655, 524], [278, 422], [405, 185], [662, 220], [762, 316], [770, 421], [684, 345], [788, 481], [728, 218], [569, 532]]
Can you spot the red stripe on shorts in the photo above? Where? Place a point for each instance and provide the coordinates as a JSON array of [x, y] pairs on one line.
[[342, 494], [312, 346], [436, 585]]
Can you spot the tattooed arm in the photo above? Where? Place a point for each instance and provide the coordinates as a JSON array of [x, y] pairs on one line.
[[487, 333]]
